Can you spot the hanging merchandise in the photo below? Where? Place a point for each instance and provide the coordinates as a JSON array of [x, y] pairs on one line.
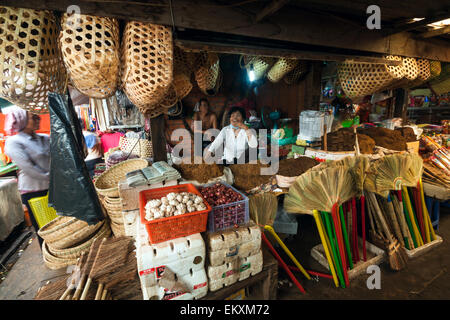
[[90, 50], [147, 66], [31, 65], [207, 72], [282, 67], [71, 191], [297, 73], [258, 64]]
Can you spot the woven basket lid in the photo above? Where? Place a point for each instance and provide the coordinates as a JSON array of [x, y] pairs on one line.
[[147, 61], [282, 67], [90, 48], [31, 65]]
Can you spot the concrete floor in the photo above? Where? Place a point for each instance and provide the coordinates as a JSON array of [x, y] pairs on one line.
[[425, 277]]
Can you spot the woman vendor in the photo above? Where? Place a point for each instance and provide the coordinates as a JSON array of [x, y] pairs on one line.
[[208, 119], [236, 139], [31, 153]]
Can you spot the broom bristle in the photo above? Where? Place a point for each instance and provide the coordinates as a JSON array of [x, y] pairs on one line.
[[263, 208], [397, 256], [111, 254], [53, 290], [87, 265]]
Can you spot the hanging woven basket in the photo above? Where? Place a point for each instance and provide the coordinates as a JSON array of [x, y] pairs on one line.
[[182, 62], [207, 72], [30, 61], [435, 68], [260, 65], [282, 67], [183, 85], [147, 60], [411, 68], [299, 71], [90, 50]]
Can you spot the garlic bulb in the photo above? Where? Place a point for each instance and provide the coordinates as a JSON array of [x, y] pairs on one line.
[[171, 196], [159, 214], [179, 198], [173, 202], [190, 203], [198, 200], [191, 209], [164, 200]]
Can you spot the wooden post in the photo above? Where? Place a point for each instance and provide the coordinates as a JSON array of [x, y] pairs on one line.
[[401, 104], [157, 129], [313, 86]]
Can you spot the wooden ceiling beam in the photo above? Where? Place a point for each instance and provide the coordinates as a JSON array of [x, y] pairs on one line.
[[418, 24], [434, 33], [293, 25], [270, 9]]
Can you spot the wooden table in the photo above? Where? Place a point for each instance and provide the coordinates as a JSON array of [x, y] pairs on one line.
[[267, 280]]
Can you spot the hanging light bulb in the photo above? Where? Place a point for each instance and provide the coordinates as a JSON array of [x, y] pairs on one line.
[[251, 73]]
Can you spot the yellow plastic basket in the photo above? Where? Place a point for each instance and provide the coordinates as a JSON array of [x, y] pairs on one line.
[[41, 211]]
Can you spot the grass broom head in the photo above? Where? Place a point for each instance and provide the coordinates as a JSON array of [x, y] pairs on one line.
[[53, 290], [111, 254], [87, 265], [390, 173], [263, 208], [398, 258], [320, 190]]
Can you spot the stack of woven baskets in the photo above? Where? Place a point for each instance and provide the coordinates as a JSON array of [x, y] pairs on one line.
[[67, 238], [107, 188]]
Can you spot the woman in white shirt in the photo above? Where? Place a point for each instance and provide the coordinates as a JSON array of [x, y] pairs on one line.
[[31, 153], [235, 138]]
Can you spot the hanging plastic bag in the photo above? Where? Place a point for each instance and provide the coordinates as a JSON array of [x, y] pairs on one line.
[[71, 191]]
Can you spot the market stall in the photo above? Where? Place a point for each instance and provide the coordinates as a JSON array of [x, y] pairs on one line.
[[324, 137]]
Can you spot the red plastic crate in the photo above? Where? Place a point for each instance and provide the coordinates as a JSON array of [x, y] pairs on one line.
[[164, 229]]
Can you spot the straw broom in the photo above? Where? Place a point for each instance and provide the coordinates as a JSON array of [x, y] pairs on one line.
[[111, 254], [76, 273], [396, 253], [398, 209], [85, 271]]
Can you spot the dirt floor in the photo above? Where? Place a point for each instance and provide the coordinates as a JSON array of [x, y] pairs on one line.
[[425, 277]]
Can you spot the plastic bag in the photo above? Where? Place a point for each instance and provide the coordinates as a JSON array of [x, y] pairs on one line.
[[71, 191]]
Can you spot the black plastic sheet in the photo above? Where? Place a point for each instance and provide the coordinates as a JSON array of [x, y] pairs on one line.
[[71, 191]]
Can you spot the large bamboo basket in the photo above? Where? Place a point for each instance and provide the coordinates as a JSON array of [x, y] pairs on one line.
[[260, 65], [30, 60], [147, 60], [183, 85], [207, 72], [411, 68], [424, 69], [361, 79], [435, 68], [90, 50], [143, 148], [282, 67], [182, 62]]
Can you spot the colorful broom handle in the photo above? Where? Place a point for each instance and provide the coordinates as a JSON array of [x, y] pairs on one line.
[[355, 228], [410, 226], [338, 230], [345, 234], [418, 207], [288, 252], [363, 225], [411, 217], [325, 246], [335, 249], [427, 214], [282, 263]]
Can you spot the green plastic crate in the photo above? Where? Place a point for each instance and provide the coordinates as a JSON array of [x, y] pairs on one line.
[[41, 211]]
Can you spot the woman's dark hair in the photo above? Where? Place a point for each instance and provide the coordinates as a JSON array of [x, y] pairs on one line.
[[238, 109], [203, 99]]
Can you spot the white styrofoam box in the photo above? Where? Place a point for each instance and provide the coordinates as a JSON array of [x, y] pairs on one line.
[[130, 219], [196, 281], [229, 238], [231, 272], [243, 250], [251, 265], [169, 183], [180, 255]]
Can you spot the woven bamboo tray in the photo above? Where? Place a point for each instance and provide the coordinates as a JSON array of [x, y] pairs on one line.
[[53, 262], [147, 61], [31, 62], [76, 236], [77, 250], [59, 227], [282, 67], [90, 48], [107, 183]]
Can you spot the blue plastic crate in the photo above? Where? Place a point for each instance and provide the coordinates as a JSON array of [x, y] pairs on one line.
[[218, 219]]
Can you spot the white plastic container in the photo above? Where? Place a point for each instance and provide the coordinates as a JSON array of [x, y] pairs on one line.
[[311, 124], [196, 281]]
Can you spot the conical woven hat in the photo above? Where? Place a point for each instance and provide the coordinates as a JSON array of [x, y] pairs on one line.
[[320, 190], [31, 64], [90, 49]]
